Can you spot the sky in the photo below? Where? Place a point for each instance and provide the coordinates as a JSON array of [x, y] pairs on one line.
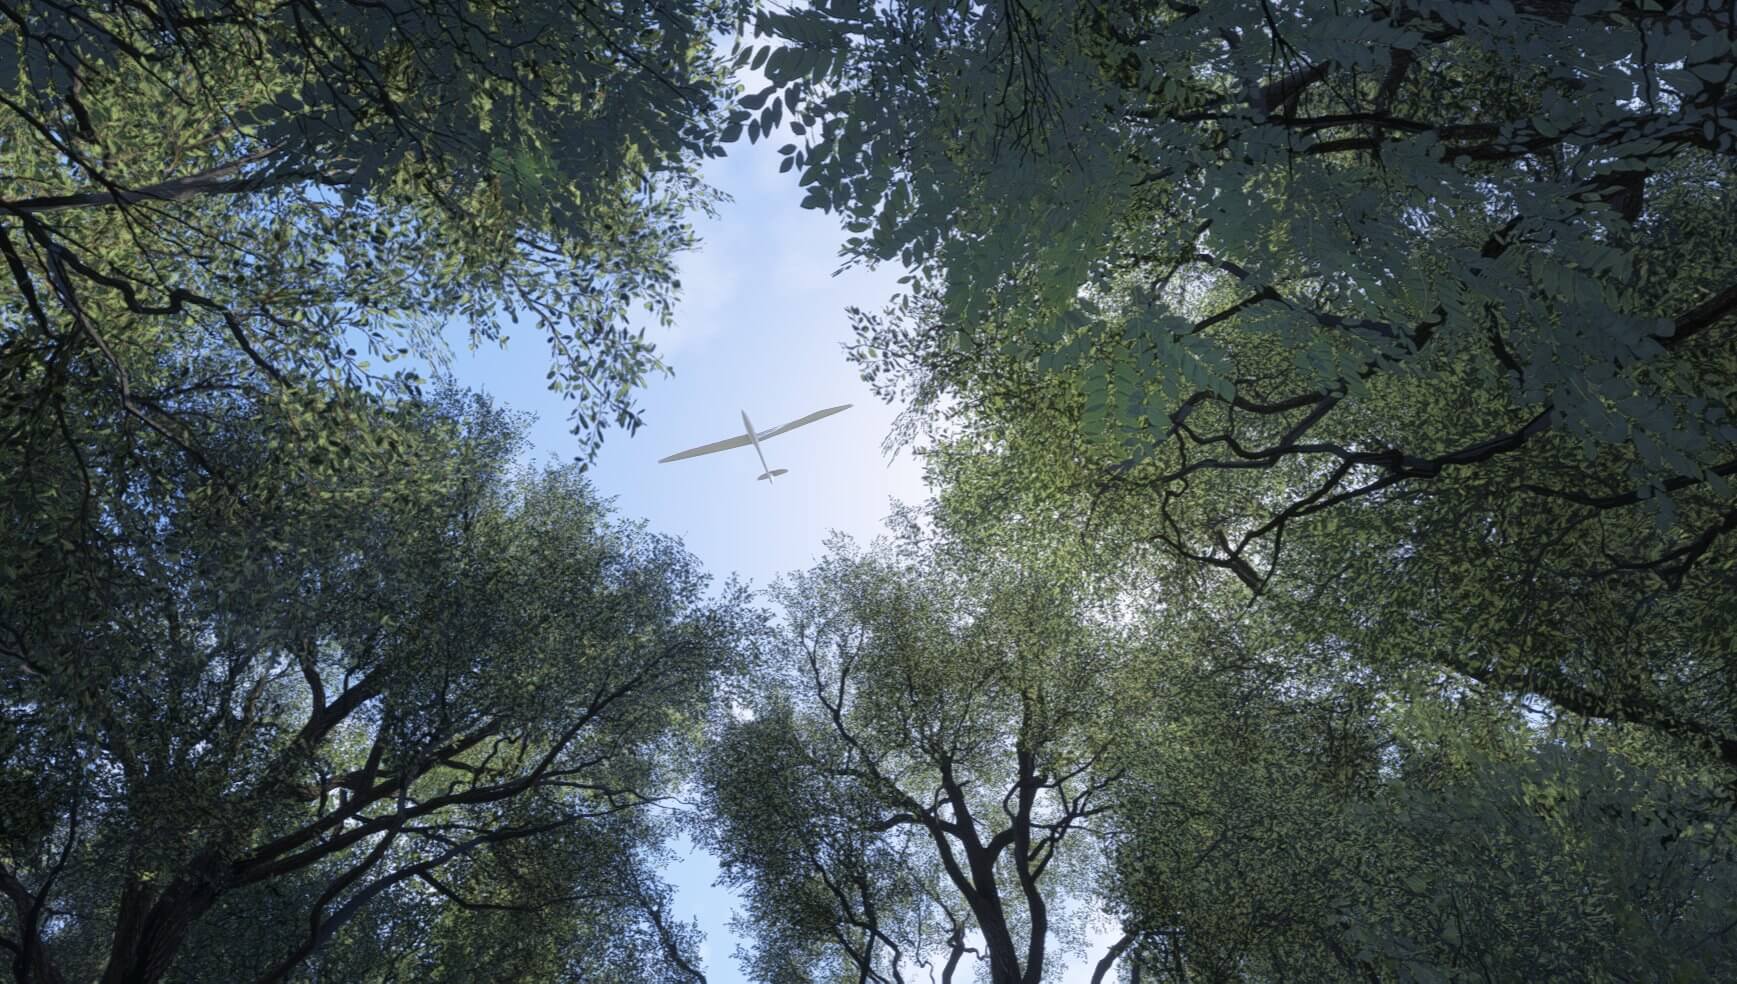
[[761, 328]]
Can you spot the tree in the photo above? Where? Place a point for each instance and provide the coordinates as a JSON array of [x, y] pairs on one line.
[[923, 780], [260, 197], [1248, 802], [1422, 305], [1287, 816], [409, 721]]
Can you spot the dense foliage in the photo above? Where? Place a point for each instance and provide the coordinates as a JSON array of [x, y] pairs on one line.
[[1416, 314], [376, 730], [1386, 348], [962, 761], [1328, 407], [1291, 814], [300, 678], [257, 196]]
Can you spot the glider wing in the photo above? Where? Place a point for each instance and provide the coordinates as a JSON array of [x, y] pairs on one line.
[[799, 421], [739, 441]]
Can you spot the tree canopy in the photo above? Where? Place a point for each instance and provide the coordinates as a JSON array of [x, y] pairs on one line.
[[1232, 226], [373, 732], [1391, 343], [1415, 313], [1327, 409], [962, 758], [927, 756], [1293, 810], [262, 197]]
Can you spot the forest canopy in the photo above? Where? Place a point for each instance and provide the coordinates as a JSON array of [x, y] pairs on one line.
[[369, 734], [231, 196], [1415, 317], [963, 763], [1327, 571]]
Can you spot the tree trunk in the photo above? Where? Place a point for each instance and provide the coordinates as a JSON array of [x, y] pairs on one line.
[[992, 922], [32, 965], [151, 928]]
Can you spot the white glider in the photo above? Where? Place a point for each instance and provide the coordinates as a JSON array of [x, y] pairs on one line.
[[754, 438]]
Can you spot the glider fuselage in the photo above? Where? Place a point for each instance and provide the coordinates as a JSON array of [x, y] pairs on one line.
[[765, 469]]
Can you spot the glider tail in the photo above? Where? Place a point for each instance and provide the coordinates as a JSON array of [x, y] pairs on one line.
[[767, 476]]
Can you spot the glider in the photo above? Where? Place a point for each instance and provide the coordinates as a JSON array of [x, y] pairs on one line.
[[754, 437]]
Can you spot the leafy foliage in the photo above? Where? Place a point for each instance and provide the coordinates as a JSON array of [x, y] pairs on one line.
[[1248, 800], [1411, 321], [1289, 815], [380, 728], [925, 769], [1423, 308], [264, 197]]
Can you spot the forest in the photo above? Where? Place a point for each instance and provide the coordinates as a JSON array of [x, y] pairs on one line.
[[1327, 570]]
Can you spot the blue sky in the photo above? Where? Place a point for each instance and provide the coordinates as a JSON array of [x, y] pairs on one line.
[[760, 327]]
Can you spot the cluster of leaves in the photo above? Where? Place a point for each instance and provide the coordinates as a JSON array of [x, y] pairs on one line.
[[1418, 312], [300, 679], [1288, 814], [954, 745], [1360, 187], [408, 723], [261, 196]]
